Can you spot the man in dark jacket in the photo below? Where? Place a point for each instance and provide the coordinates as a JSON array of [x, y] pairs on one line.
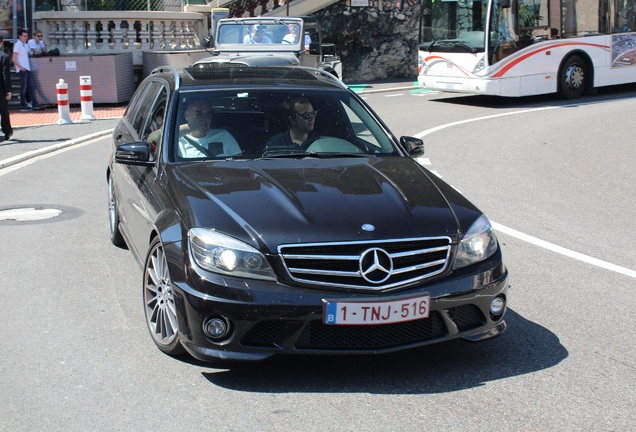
[[5, 92]]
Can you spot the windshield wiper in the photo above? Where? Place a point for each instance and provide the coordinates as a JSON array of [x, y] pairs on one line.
[[454, 43], [300, 155], [286, 154]]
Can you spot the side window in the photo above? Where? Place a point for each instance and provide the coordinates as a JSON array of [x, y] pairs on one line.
[[133, 106], [153, 131], [139, 117]]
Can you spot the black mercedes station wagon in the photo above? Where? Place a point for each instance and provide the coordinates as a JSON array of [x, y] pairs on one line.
[[273, 212]]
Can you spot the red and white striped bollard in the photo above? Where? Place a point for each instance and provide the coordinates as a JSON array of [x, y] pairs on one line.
[[86, 98], [62, 103]]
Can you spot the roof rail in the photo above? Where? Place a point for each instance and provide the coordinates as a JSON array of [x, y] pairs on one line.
[[167, 69], [328, 75]]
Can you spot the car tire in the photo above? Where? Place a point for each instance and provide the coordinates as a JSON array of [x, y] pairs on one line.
[[573, 77], [159, 304], [113, 216]]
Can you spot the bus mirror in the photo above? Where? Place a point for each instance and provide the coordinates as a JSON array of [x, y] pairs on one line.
[[505, 4]]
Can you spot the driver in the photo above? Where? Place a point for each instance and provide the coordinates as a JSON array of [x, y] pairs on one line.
[[199, 139], [257, 36], [302, 119]]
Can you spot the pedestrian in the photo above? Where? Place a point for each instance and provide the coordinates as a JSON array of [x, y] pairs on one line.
[[5, 89], [23, 68], [38, 47]]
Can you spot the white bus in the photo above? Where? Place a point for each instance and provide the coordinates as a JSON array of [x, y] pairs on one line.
[[526, 47]]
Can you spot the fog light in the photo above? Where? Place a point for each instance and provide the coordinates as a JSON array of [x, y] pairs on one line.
[[497, 306], [216, 328]]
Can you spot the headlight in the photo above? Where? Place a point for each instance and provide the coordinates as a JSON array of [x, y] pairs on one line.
[[222, 254], [478, 243]]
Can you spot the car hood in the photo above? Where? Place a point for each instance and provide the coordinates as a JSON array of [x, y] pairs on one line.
[[279, 201], [253, 59]]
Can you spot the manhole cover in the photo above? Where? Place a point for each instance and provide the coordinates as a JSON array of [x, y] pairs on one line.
[[27, 214]]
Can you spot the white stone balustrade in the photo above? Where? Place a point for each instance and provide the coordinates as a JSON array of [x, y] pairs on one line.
[[112, 32]]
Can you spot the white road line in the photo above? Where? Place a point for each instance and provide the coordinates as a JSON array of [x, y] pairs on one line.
[[20, 161], [447, 125], [525, 237], [563, 251], [52, 148]]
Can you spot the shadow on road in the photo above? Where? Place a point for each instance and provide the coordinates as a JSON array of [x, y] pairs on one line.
[[604, 94], [526, 347]]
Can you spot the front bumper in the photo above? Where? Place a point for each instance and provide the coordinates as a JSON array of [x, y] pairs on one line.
[[472, 85], [269, 318]]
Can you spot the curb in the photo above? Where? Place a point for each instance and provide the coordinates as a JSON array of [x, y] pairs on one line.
[[388, 89], [50, 149]]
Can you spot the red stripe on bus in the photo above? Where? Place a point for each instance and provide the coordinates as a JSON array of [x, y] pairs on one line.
[[518, 60], [431, 58]]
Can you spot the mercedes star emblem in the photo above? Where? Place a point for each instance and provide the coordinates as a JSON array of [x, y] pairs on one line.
[[376, 265]]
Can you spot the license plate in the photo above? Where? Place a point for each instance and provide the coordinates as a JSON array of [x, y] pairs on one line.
[[372, 313]]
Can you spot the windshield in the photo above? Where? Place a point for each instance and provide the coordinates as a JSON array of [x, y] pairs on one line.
[[257, 123], [279, 32], [453, 26]]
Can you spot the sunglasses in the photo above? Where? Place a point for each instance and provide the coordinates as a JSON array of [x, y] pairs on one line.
[[307, 115]]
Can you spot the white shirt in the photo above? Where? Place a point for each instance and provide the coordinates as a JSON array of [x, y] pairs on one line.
[[36, 46], [229, 144], [290, 38], [23, 55], [249, 39]]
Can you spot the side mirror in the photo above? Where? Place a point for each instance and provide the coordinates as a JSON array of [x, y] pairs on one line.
[[208, 42], [314, 48], [414, 146], [505, 4], [329, 49], [138, 153]]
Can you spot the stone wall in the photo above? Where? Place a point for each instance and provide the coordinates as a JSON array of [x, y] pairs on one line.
[[375, 42]]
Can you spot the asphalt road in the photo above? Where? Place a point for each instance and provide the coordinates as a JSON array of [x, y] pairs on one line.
[[557, 179]]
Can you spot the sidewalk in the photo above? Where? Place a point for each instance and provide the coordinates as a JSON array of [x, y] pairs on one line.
[[51, 116]]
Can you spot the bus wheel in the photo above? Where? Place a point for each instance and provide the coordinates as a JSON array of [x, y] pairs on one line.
[[573, 75]]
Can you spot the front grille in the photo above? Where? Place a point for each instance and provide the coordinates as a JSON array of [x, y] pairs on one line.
[[374, 265], [333, 337], [320, 336]]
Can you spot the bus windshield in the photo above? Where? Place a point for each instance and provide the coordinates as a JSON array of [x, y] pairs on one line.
[[453, 26]]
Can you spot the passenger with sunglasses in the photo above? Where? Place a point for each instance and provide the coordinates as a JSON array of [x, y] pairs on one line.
[[38, 47], [302, 119]]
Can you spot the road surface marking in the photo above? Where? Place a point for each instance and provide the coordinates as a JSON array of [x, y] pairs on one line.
[[525, 237]]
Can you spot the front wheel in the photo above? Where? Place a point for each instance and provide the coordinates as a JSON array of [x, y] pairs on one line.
[[573, 78], [159, 303]]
